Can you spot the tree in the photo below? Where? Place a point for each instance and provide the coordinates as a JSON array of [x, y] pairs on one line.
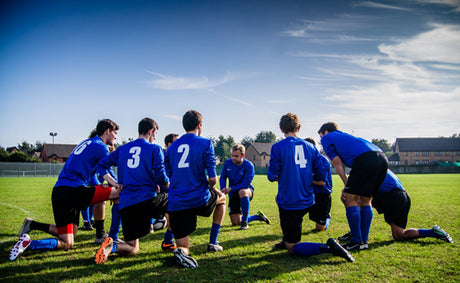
[[246, 141], [3, 155], [223, 146], [18, 156], [383, 144], [265, 136]]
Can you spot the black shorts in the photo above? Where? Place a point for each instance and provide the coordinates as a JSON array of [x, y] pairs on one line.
[[136, 218], [320, 211], [367, 174], [234, 202], [67, 203], [291, 224], [183, 222], [394, 205]]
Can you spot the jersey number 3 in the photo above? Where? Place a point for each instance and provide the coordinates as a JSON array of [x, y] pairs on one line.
[[300, 156], [135, 159]]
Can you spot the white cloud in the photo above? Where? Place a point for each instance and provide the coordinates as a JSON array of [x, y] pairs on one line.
[[441, 44], [166, 82], [173, 117], [453, 3], [371, 4], [241, 102], [389, 107]]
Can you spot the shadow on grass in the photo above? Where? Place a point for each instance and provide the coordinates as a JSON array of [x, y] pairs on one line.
[[238, 262]]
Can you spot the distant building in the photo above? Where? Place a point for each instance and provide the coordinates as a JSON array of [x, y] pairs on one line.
[[56, 152], [259, 153], [425, 151]]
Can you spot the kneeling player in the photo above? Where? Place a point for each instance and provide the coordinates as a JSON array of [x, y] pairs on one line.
[[240, 173], [71, 194], [394, 202], [140, 169]]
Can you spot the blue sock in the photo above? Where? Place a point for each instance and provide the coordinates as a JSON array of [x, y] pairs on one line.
[[307, 249], [424, 233], [168, 236], [354, 221], [244, 203], [84, 214], [328, 220], [253, 218], [114, 248], [366, 219], [152, 220], [44, 245], [90, 212], [215, 229], [116, 222]]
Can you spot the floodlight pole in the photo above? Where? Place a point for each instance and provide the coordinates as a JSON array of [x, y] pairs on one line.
[[53, 134]]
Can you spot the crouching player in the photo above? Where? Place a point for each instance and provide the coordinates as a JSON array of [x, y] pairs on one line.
[[140, 170], [394, 202], [71, 194], [240, 173]]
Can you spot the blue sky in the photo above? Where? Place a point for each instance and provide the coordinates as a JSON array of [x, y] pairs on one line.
[[380, 69]]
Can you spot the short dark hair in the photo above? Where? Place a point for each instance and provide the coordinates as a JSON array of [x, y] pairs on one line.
[[311, 140], [169, 138], [329, 126], [105, 124], [290, 123], [191, 120], [145, 125]]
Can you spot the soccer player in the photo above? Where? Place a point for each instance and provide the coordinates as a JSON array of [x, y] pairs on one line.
[[169, 139], [394, 202], [191, 192], [71, 194], [368, 170], [293, 161], [240, 190], [140, 170], [320, 212]]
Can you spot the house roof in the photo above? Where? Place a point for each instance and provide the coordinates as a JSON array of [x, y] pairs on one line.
[[428, 144], [262, 147], [60, 150], [394, 157]]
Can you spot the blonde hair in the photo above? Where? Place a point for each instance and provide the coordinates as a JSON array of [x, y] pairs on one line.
[[239, 147]]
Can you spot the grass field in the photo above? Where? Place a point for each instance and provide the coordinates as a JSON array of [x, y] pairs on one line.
[[247, 255]]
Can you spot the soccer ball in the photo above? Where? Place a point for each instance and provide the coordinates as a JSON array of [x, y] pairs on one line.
[[160, 224]]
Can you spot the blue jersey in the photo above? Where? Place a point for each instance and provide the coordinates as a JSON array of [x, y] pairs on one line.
[[327, 188], [293, 161], [140, 170], [187, 161], [346, 146], [239, 176], [78, 169], [391, 182]]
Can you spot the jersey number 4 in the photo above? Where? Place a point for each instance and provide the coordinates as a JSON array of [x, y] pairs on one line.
[[300, 156]]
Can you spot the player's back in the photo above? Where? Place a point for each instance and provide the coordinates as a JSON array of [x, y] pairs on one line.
[[187, 161], [291, 163], [78, 169], [348, 147], [140, 170]]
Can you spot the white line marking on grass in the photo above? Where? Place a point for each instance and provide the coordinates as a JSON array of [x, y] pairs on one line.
[[15, 207]]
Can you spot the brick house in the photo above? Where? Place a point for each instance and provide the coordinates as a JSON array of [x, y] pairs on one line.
[[259, 153], [56, 152], [425, 151]]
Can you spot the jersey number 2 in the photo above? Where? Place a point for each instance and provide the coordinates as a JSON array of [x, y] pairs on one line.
[[184, 149]]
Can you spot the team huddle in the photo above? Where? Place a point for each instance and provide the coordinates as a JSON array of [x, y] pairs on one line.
[[179, 183]]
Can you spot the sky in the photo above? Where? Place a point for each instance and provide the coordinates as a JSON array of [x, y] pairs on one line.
[[379, 69]]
